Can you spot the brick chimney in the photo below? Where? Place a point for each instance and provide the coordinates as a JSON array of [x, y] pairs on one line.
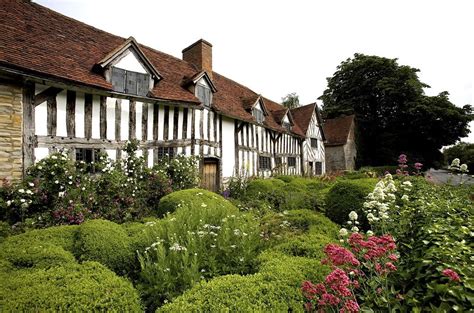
[[200, 55]]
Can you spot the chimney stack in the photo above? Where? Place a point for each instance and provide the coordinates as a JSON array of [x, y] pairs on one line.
[[200, 55]]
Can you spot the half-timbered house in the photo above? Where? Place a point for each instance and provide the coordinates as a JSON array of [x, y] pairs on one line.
[[65, 84]]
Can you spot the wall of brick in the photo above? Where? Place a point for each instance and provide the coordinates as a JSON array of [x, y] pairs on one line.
[[10, 132]]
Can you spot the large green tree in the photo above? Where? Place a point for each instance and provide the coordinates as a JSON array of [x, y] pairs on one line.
[[291, 100], [393, 115]]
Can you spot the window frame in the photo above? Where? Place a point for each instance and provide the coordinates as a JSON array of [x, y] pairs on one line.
[[259, 115], [207, 94], [81, 155], [312, 141], [264, 163], [164, 153], [293, 161], [124, 87]]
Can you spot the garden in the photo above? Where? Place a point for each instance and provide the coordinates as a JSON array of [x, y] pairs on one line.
[[116, 235]]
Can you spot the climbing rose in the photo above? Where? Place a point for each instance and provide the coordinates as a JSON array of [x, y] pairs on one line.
[[452, 275]]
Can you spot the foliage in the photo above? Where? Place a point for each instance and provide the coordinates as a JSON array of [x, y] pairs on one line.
[[59, 191], [463, 151], [291, 101], [346, 196], [105, 242], [205, 236], [237, 185], [70, 287], [388, 100], [33, 253]]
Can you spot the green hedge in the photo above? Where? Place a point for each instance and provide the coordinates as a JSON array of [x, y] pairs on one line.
[[346, 196], [42, 248], [105, 242], [89, 287], [191, 198], [276, 288]]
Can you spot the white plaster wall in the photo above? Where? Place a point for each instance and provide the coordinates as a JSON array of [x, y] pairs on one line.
[[161, 114], [150, 122], [138, 119], [79, 115], [61, 114], [95, 117], [180, 124], [130, 63], [41, 116], [228, 147], [204, 124], [124, 119], [111, 118], [112, 154], [41, 153]]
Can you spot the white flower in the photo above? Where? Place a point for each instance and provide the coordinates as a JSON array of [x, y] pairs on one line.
[[455, 162], [203, 205], [29, 192], [40, 167], [463, 168], [177, 247], [31, 184], [54, 157], [370, 217], [370, 233], [407, 183], [353, 215], [343, 232], [355, 229], [22, 200], [405, 198], [9, 202], [61, 194], [56, 181], [21, 190]]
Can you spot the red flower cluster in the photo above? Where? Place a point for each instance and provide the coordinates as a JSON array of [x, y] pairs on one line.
[[374, 247], [452, 275], [338, 256]]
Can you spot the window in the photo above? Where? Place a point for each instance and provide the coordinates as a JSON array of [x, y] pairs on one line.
[[287, 126], [165, 153], [88, 157], [278, 161], [264, 163], [130, 82], [314, 143], [204, 94], [291, 161], [319, 168], [258, 114]]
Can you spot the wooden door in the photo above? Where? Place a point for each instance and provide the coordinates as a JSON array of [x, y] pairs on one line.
[[210, 175]]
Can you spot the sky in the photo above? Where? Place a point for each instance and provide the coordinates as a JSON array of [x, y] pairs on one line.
[[279, 47]]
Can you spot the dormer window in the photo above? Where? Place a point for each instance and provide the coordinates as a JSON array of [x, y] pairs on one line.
[[130, 82], [204, 94], [287, 126], [258, 114]]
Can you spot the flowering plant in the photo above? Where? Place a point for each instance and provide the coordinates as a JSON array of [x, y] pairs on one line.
[[359, 275]]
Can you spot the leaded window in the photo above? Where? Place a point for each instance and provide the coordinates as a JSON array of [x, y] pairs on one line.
[[130, 82], [204, 94], [264, 163], [165, 153], [291, 161], [258, 114], [314, 143]]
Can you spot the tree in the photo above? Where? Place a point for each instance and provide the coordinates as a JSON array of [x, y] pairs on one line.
[[463, 151], [393, 115], [291, 101]]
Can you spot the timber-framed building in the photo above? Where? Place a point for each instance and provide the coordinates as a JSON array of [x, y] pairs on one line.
[[65, 84]]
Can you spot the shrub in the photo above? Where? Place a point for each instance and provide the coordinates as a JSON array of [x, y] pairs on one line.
[[61, 236], [74, 288], [104, 242], [191, 198], [280, 226], [206, 236], [274, 289], [347, 196], [33, 253], [308, 245]]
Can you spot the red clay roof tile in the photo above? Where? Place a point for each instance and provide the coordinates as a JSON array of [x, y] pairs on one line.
[[337, 130]]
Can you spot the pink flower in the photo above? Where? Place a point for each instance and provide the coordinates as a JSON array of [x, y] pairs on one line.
[[393, 257], [390, 266], [402, 158], [418, 166], [452, 275], [350, 306], [338, 281], [329, 299], [338, 255]]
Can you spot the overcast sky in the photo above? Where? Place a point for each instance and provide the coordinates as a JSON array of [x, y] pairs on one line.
[[277, 47]]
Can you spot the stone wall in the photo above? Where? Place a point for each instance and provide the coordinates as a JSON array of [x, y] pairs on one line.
[[335, 159], [10, 132]]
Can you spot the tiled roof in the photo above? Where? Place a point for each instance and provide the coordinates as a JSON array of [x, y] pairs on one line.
[[38, 41], [337, 130]]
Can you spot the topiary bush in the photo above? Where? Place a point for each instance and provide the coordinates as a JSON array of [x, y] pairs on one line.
[[61, 236], [105, 242], [346, 196], [276, 288], [89, 287], [192, 198], [33, 253]]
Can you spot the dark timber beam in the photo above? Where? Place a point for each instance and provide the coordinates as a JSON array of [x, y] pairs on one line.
[[45, 95]]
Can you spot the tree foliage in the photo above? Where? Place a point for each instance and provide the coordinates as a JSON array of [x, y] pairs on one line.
[[463, 151], [291, 101], [393, 115]]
